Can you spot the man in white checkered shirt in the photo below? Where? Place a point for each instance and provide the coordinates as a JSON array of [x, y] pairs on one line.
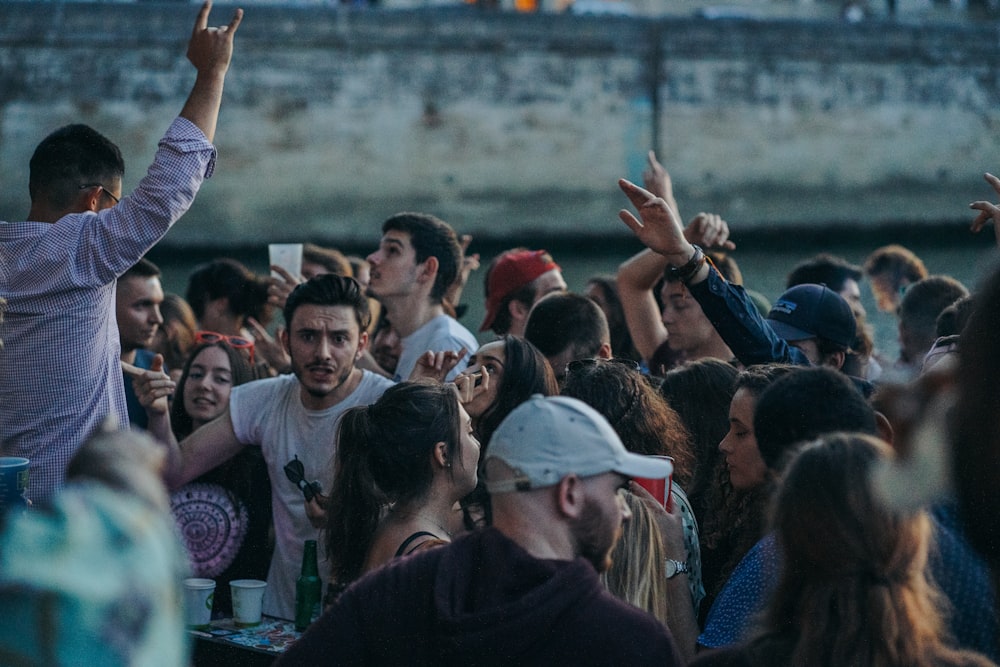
[[59, 370]]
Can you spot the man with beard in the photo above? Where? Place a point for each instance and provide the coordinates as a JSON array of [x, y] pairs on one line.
[[293, 416], [524, 591]]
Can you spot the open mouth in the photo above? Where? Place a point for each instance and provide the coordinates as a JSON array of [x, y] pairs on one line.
[[320, 372]]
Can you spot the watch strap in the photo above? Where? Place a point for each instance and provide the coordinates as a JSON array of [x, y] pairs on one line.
[[687, 271], [675, 567]]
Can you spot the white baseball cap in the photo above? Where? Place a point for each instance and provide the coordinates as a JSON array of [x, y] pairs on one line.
[[547, 438]]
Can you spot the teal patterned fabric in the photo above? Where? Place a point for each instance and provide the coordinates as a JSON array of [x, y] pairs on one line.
[[94, 580]]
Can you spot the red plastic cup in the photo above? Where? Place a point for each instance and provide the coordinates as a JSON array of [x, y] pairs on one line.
[[659, 488]]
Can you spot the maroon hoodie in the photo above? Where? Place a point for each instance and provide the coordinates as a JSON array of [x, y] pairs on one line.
[[483, 600]]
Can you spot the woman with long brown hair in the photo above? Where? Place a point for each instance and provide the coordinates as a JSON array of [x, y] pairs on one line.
[[854, 588]]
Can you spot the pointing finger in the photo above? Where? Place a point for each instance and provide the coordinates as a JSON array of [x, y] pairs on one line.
[[132, 371]]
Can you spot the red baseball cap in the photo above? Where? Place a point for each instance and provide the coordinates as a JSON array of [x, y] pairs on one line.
[[511, 272]]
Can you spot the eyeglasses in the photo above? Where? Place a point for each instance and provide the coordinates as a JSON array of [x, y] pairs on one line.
[[237, 342], [98, 185]]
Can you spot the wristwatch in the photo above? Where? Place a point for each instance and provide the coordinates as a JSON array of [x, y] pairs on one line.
[[675, 567], [686, 272]]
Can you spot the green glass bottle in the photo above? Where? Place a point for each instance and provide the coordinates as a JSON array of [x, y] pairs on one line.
[[308, 589]]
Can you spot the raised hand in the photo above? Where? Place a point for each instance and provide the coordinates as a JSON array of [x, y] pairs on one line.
[[469, 264], [660, 228], [987, 210], [669, 522], [656, 179], [153, 387], [470, 385], [709, 231], [211, 49], [280, 286], [436, 365], [268, 348]]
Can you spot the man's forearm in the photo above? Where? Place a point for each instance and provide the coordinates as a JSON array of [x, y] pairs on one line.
[[738, 322], [202, 106], [210, 51], [159, 428]]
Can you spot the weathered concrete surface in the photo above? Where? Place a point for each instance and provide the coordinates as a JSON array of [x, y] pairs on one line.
[[511, 125]]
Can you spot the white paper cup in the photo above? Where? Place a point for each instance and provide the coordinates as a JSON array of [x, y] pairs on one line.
[[198, 597], [248, 597], [286, 255]]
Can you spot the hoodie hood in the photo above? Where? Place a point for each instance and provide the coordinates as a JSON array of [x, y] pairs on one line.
[[494, 599]]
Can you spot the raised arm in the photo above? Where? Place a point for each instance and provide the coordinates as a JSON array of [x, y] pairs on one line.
[[987, 210], [206, 448], [727, 307], [210, 51], [211, 445], [680, 608], [153, 389], [468, 264], [659, 229], [637, 276]]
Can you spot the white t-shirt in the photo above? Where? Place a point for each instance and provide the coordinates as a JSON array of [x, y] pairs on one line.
[[269, 413], [441, 333]]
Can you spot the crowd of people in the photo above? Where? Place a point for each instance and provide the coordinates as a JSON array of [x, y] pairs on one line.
[[486, 503]]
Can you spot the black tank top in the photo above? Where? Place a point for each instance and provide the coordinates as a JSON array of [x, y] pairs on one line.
[[409, 540]]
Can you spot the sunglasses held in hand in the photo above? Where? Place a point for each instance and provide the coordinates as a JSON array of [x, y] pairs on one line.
[[296, 474]]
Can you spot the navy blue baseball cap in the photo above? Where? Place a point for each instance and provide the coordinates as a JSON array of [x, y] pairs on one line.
[[813, 311]]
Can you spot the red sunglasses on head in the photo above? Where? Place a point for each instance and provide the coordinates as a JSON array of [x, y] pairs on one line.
[[237, 342]]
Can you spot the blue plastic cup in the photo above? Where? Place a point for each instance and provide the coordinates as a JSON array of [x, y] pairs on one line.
[[13, 481]]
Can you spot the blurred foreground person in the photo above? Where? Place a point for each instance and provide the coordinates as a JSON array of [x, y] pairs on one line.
[[96, 579]]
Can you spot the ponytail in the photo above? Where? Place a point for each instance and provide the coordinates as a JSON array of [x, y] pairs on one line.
[[355, 500], [384, 458]]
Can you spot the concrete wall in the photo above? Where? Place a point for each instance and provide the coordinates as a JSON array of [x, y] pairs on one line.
[[510, 125]]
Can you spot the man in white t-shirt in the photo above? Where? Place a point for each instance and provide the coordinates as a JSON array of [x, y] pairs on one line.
[[417, 260], [294, 416]]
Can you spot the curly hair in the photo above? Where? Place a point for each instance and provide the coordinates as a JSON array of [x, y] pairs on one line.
[[735, 519], [640, 415], [700, 392]]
